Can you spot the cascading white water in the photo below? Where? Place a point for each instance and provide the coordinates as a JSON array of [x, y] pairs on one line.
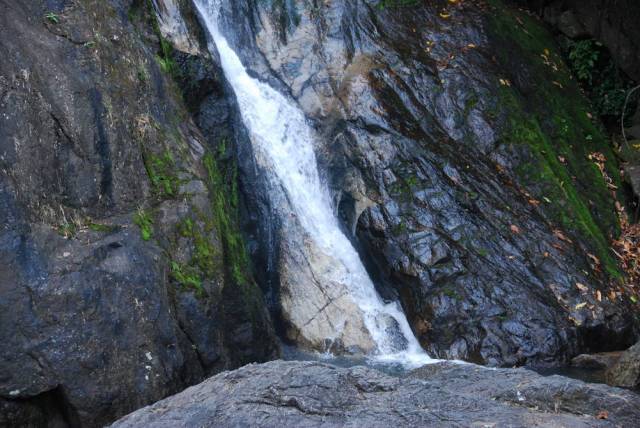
[[280, 134]]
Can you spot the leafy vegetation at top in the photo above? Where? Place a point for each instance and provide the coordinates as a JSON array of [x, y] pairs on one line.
[[594, 68]]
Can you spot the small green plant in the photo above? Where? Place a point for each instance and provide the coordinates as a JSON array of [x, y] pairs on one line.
[[451, 293], [162, 173], [143, 76], [583, 56], [482, 252], [205, 254], [165, 59], [52, 17], [144, 221], [102, 228], [68, 229], [186, 276], [596, 71]]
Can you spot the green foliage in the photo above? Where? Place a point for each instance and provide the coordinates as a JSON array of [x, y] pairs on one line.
[[583, 56], [451, 293], [553, 122], [142, 74], [165, 58], [162, 173], [594, 68], [52, 17], [225, 205], [142, 12], [205, 254], [187, 276], [68, 229], [102, 228], [144, 221]]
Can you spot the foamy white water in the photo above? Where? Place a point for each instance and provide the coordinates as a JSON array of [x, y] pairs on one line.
[[280, 134]]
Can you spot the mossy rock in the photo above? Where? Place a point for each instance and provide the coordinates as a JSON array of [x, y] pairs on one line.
[[550, 120]]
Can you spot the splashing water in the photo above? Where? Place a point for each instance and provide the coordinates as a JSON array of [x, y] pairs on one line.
[[280, 134]]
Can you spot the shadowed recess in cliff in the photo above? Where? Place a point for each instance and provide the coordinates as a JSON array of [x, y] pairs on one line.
[[327, 296]]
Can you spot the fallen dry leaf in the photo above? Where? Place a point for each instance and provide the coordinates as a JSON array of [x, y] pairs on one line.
[[561, 236], [582, 287], [594, 258]]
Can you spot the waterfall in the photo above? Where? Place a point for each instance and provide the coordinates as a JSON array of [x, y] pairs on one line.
[[282, 138]]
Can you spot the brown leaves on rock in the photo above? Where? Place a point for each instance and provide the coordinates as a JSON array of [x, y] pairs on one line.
[[561, 236], [600, 161], [627, 246], [582, 287]]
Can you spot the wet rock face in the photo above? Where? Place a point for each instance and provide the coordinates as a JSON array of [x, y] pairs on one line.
[[306, 394], [114, 270], [458, 147], [322, 315]]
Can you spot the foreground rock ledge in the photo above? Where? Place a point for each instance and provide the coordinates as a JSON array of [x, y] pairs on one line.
[[301, 394]]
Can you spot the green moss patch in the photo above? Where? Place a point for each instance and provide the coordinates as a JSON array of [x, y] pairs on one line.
[[144, 220], [162, 172], [551, 117], [187, 276], [223, 188]]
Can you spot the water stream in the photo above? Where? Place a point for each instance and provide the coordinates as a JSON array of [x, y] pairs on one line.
[[281, 136]]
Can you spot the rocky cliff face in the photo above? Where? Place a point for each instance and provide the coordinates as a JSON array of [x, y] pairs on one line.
[[121, 277], [453, 137], [460, 151]]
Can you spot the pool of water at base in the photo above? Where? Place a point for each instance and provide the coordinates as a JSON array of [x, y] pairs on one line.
[[292, 353]]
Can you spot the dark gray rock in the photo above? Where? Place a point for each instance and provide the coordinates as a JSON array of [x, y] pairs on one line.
[[95, 320], [626, 371], [306, 394]]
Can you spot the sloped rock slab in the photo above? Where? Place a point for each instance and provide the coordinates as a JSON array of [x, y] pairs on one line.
[[309, 394], [599, 361], [626, 372]]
